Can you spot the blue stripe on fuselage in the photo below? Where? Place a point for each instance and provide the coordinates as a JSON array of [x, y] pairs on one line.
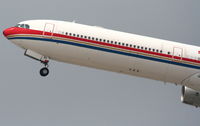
[[109, 50]]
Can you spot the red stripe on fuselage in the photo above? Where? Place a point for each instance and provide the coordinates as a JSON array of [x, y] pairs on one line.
[[16, 30]]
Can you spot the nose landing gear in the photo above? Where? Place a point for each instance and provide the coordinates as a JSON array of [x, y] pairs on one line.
[[44, 71], [44, 60]]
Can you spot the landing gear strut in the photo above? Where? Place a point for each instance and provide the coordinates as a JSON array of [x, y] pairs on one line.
[[44, 71], [44, 60]]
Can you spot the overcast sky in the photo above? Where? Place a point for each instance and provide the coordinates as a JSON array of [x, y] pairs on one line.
[[78, 96]]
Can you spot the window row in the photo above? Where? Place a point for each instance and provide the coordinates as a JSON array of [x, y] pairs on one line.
[[116, 43]]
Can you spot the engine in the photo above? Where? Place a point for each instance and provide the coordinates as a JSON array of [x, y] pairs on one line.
[[190, 96]]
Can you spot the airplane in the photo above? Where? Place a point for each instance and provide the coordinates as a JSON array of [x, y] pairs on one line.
[[101, 48]]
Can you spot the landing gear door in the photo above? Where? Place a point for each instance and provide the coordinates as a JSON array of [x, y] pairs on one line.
[[48, 30], [177, 53]]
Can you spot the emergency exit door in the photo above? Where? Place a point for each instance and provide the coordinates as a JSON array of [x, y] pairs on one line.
[[48, 29], [177, 53]]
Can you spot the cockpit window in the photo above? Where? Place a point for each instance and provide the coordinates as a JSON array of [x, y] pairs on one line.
[[23, 26], [27, 26], [18, 25]]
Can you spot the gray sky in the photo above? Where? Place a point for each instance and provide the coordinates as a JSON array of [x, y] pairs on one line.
[[78, 96]]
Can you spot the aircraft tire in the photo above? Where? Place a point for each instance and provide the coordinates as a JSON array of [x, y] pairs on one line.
[[44, 72]]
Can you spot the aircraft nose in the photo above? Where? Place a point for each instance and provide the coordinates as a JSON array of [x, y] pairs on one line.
[[8, 31], [4, 33]]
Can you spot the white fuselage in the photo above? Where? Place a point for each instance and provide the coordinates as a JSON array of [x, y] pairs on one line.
[[111, 50]]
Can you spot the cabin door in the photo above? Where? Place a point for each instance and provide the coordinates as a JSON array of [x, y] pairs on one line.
[[48, 30], [178, 53]]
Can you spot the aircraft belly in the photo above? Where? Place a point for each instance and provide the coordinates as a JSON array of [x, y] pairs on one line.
[[108, 61]]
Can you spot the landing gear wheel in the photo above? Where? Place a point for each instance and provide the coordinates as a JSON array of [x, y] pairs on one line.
[[44, 72]]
